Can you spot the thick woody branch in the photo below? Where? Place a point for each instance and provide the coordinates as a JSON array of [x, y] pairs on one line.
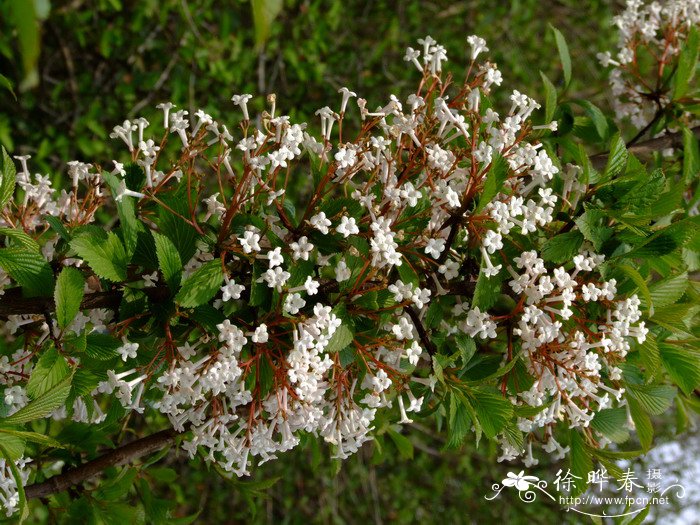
[[647, 147], [119, 456]]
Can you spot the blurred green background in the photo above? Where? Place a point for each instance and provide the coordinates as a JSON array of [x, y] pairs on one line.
[[78, 67]]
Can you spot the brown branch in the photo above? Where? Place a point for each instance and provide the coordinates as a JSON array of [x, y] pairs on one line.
[[647, 147], [422, 333], [119, 456]]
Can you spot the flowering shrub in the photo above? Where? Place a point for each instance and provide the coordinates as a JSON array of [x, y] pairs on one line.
[[256, 284]]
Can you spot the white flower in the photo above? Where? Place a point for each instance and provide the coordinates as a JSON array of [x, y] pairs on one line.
[[128, 350], [231, 290], [293, 303], [275, 257], [347, 227], [249, 242], [275, 278], [435, 247], [260, 335], [478, 45], [320, 222], [301, 249], [311, 286], [342, 272]]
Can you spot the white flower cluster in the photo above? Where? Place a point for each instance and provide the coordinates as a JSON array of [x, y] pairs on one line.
[[656, 29], [285, 359]]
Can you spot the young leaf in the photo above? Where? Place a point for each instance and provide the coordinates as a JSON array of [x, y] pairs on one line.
[[617, 158], [168, 260], [564, 55], [42, 405], [7, 179], [495, 178], [493, 411], [50, 369], [550, 98], [104, 252], [68, 295], [687, 63], [202, 285], [563, 247]]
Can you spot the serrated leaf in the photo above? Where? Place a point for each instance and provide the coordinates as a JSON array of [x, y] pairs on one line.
[[8, 174], [651, 358], [104, 252], [562, 248], [580, 462], [592, 225], [493, 411], [654, 399], [341, 338], [33, 437], [611, 422], [687, 63], [102, 347], [68, 295], [669, 291], [598, 120], [682, 365], [617, 158], [202, 285], [168, 260], [42, 406], [642, 424], [467, 347], [640, 282], [29, 269], [50, 370]]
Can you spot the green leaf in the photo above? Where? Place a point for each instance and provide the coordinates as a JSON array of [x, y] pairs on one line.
[[68, 295], [597, 118], [42, 405], [264, 13], [495, 179], [563, 247], [341, 338], [691, 156], [640, 282], [168, 260], [8, 85], [33, 437], [550, 98], [50, 370], [29, 269], [580, 462], [617, 158], [14, 445], [654, 399], [682, 365], [493, 411], [8, 175], [403, 444], [202, 285], [651, 358], [592, 225], [564, 55], [611, 423], [687, 63], [460, 421], [407, 273], [669, 291], [487, 290], [130, 225], [467, 347], [102, 347], [23, 17], [104, 252], [642, 423]]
